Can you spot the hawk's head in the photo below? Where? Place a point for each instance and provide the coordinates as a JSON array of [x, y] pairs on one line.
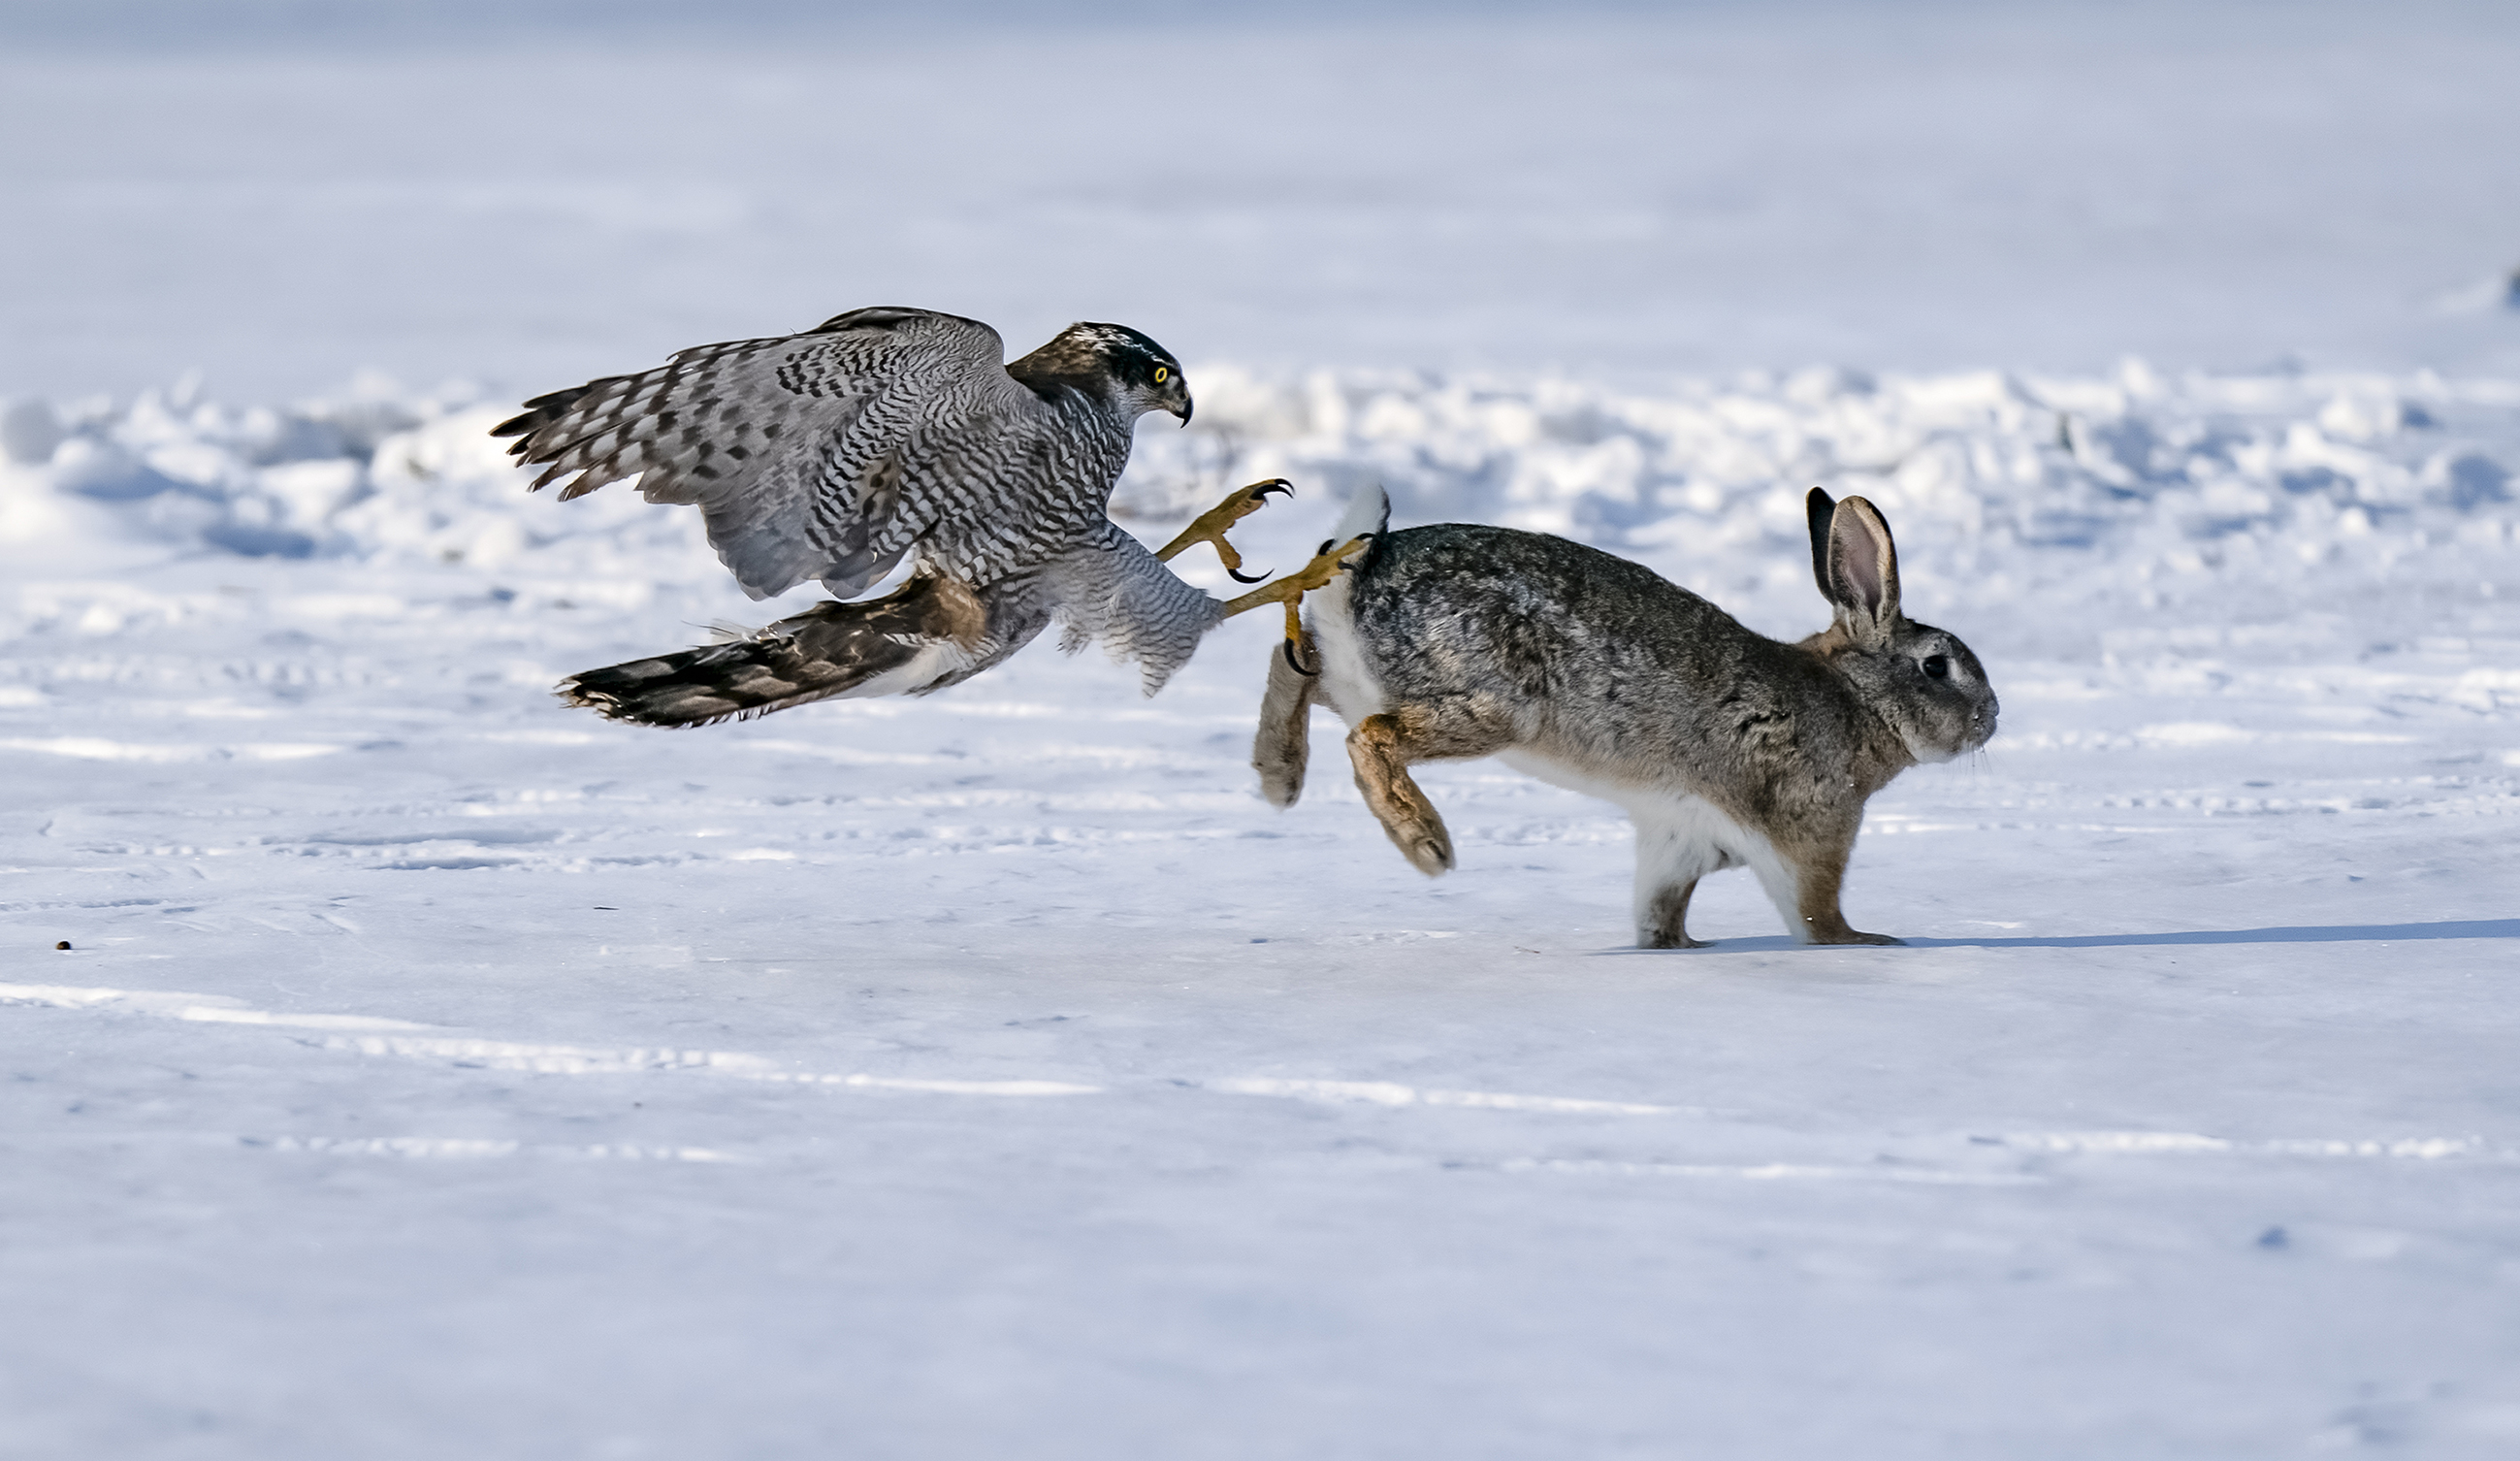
[[1112, 363]]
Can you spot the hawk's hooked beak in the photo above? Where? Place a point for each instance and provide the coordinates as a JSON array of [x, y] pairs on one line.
[[1183, 411]]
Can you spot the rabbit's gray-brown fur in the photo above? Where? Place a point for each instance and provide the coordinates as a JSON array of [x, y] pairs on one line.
[[1728, 749]]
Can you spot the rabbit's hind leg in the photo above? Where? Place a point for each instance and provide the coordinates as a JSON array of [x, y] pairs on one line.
[[1675, 847], [1284, 744], [1383, 747], [1663, 921]]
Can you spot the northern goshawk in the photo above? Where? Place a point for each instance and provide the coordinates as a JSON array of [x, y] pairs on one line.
[[889, 433]]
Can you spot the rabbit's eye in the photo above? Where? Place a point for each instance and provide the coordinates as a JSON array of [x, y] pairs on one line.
[[1936, 668]]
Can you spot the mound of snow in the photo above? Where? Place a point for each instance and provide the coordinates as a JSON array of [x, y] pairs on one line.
[[375, 475], [2134, 487]]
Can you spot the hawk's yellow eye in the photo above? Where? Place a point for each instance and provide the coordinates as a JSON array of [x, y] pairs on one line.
[[1160, 373]]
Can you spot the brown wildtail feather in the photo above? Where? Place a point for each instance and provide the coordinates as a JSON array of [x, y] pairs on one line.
[[826, 650]]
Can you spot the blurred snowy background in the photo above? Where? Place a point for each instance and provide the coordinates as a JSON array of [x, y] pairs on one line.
[[436, 1070], [283, 193]]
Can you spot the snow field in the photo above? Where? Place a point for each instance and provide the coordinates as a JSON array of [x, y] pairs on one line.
[[439, 1070]]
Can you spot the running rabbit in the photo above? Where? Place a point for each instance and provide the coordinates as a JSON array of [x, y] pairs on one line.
[[1728, 749]]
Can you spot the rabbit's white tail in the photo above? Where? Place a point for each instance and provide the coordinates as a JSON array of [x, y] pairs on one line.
[[1331, 670], [1369, 510]]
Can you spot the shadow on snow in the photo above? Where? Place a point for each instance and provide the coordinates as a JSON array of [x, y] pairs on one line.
[[2378, 933]]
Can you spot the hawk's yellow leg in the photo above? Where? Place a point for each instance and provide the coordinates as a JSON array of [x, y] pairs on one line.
[[1326, 565], [1209, 526]]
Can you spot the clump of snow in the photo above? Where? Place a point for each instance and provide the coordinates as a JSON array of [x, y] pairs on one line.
[[376, 473]]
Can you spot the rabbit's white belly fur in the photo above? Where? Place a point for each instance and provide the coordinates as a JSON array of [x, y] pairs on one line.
[[1680, 837]]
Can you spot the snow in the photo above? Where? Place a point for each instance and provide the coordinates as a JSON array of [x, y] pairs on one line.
[[435, 1070]]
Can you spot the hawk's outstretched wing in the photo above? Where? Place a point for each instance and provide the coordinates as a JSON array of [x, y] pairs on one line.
[[791, 447]]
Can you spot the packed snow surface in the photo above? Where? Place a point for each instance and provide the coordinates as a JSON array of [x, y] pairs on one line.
[[435, 1070]]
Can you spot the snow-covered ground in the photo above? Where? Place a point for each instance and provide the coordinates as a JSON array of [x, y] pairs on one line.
[[437, 1070]]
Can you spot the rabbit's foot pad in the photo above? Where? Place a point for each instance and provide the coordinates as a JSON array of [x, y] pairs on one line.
[[1673, 940]]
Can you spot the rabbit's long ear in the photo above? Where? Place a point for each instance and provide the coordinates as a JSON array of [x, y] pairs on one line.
[[1861, 573], [1819, 508]]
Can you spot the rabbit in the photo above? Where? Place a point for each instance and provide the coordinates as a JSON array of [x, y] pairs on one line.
[[1728, 749]]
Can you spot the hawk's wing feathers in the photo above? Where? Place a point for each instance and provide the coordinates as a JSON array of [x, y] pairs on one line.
[[789, 446]]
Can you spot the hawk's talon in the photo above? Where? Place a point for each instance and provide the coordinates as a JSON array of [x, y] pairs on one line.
[[1209, 526], [1291, 588], [1239, 576], [1294, 637]]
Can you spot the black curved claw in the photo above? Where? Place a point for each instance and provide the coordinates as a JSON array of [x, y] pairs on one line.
[[1274, 484], [1238, 576], [1295, 665], [1324, 547]]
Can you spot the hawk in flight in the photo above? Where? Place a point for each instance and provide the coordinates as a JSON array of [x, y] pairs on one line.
[[886, 434]]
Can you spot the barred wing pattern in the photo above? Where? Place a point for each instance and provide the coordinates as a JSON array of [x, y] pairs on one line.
[[836, 453], [822, 455]]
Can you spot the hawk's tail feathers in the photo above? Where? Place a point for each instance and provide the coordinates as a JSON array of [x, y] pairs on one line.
[[901, 642]]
